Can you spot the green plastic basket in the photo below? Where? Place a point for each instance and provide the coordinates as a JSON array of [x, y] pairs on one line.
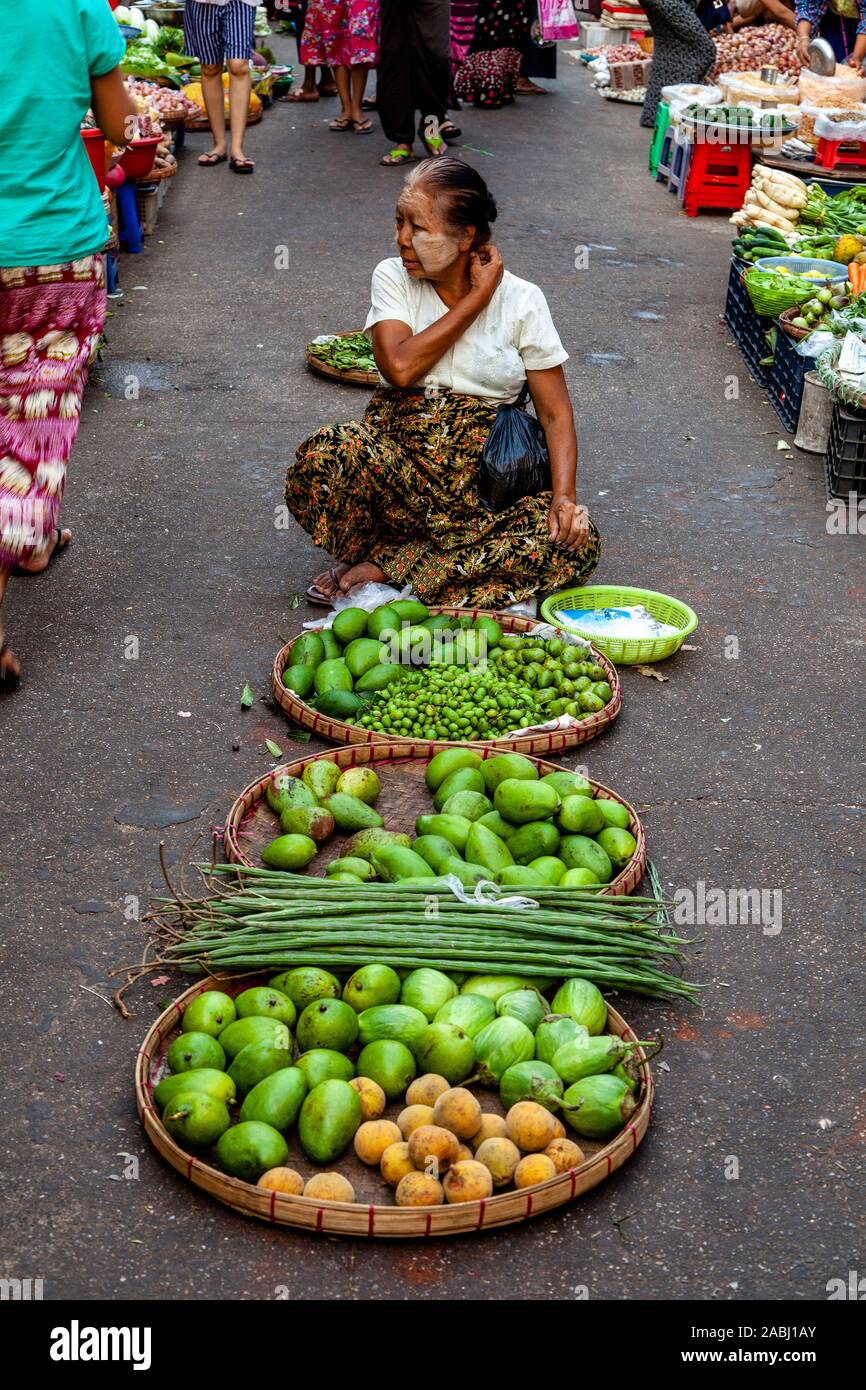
[[625, 651]]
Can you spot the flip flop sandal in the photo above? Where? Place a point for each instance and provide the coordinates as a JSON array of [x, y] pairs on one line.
[[210, 161], [434, 145], [242, 166], [395, 157], [59, 546], [9, 678], [341, 123], [315, 595], [362, 127], [449, 131], [369, 104]]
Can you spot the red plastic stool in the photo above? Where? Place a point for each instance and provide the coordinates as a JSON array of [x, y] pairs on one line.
[[719, 176], [831, 152]]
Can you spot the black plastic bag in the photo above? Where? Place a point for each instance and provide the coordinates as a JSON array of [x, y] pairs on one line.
[[515, 461]]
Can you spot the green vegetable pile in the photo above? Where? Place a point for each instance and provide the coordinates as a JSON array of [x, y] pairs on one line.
[[142, 60], [352, 353], [398, 671]]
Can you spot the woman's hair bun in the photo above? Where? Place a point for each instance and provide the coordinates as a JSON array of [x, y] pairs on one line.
[[491, 207], [466, 199]]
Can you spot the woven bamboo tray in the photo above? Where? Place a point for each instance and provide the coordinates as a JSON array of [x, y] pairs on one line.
[[338, 731], [353, 377], [251, 823], [373, 1214]]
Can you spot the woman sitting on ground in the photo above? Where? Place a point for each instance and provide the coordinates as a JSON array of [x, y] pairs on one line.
[[393, 497]]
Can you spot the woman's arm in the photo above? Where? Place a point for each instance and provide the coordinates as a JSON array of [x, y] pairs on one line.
[[404, 357], [780, 12], [859, 52], [113, 107], [568, 520]]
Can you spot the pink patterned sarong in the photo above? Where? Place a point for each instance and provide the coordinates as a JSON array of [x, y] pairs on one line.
[[51, 317]]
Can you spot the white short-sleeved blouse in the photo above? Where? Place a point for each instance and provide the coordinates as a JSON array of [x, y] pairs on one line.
[[513, 334]]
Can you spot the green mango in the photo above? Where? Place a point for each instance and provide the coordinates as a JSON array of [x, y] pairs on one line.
[[383, 619], [579, 815], [446, 1050], [327, 1023], [351, 814], [362, 655], [249, 1149], [252, 1030], [256, 1061], [453, 828], [434, 850], [619, 845], [266, 1002], [398, 1022], [509, 766], [333, 675], [330, 644], [329, 1116], [486, 849], [195, 1119], [360, 782], [582, 1001], [427, 990], [465, 779], [393, 864], [471, 805], [306, 983], [358, 868], [579, 878], [290, 852], [324, 1065], [362, 844], [519, 876], [276, 1099], [533, 840], [521, 801], [283, 792], [300, 680], [209, 1013], [613, 812], [372, 986], [470, 1012], [377, 677], [440, 623], [491, 629], [467, 874], [390, 1064], [349, 624], [314, 822], [308, 650], [195, 1050], [501, 827], [206, 1079], [338, 704], [565, 783], [321, 776], [551, 869], [441, 765], [603, 1104], [409, 610], [580, 852]]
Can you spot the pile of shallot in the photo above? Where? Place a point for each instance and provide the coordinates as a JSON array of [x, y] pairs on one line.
[[754, 46]]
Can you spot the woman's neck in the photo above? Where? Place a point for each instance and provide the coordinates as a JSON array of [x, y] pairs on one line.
[[453, 283]]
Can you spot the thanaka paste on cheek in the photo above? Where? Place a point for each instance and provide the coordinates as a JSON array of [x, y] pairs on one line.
[[435, 250]]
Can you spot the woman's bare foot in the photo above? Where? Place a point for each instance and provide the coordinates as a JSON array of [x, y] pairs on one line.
[[328, 582], [365, 573], [42, 558]]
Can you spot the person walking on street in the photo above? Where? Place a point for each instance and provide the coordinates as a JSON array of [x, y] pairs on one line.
[[343, 35], [53, 230], [682, 50], [219, 32], [414, 76]]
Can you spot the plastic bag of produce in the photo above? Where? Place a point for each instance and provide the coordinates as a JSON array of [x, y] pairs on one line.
[[841, 125], [514, 462], [843, 89]]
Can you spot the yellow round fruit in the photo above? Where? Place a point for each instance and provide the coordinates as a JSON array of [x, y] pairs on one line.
[[501, 1156], [558, 1128], [491, 1127], [413, 1116], [459, 1111], [463, 1152], [468, 1181], [530, 1126], [330, 1187], [426, 1089], [372, 1097], [565, 1154], [419, 1190], [396, 1163], [373, 1137], [532, 1169], [282, 1180], [432, 1148]]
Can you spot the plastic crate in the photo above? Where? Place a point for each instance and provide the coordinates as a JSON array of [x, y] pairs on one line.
[[147, 199], [846, 452], [749, 331], [786, 377], [601, 36]]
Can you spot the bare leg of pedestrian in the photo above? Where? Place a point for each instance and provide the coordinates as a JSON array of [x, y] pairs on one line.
[[212, 90], [357, 84], [239, 105], [344, 91]]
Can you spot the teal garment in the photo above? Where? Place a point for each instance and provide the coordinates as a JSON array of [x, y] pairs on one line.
[[51, 209]]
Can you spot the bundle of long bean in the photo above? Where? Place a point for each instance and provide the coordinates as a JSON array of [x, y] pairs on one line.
[[276, 920]]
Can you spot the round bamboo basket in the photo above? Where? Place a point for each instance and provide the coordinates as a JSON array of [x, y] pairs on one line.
[[251, 823], [353, 377], [367, 1216], [338, 731]]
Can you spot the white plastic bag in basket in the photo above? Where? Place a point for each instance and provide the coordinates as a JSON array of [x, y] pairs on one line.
[[366, 596]]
